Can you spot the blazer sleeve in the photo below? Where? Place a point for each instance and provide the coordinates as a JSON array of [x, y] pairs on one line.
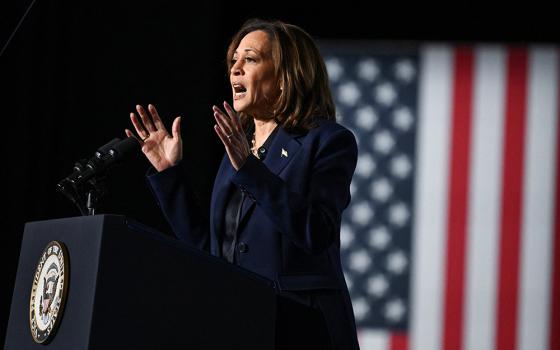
[[180, 206], [311, 221]]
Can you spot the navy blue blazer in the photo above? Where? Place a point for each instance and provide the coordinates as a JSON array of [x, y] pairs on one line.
[[289, 228]]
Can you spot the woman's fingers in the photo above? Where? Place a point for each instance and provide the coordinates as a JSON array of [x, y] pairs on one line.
[[155, 117], [130, 134], [223, 122], [176, 127], [233, 116], [146, 119], [139, 126], [223, 137]]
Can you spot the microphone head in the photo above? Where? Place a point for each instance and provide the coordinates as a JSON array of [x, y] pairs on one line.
[[124, 149], [107, 147]]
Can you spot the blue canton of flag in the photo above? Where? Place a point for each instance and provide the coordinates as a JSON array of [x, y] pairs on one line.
[[376, 98]]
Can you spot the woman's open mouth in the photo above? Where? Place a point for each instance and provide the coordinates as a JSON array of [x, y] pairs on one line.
[[239, 91]]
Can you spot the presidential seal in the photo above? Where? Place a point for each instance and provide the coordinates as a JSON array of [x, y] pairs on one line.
[[48, 293]]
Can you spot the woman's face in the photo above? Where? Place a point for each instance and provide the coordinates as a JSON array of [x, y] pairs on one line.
[[253, 83]]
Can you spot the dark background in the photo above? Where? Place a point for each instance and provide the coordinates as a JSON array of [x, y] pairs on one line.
[[74, 70]]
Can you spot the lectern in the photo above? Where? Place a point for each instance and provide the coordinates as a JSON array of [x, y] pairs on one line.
[[131, 287]]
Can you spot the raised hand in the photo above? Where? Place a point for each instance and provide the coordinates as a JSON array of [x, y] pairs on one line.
[[162, 149], [231, 133]]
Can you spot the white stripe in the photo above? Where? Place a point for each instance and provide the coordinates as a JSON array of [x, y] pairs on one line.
[[484, 198], [374, 340], [538, 194], [431, 197]]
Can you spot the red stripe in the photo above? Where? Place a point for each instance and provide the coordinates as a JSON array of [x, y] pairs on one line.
[[555, 310], [398, 341], [512, 199], [458, 198]]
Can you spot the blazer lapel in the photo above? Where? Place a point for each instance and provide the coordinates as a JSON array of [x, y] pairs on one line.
[[282, 150]]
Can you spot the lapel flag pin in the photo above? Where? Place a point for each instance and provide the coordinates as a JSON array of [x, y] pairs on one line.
[[284, 153]]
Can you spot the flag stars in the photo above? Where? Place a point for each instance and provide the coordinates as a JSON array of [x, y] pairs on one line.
[[402, 119], [396, 262], [361, 308], [349, 93], [394, 310], [383, 142], [334, 69], [381, 190], [400, 166], [377, 286], [405, 70], [366, 118], [349, 281], [399, 214], [368, 69], [360, 261], [379, 237], [346, 236], [375, 97], [362, 213], [385, 94], [365, 165]]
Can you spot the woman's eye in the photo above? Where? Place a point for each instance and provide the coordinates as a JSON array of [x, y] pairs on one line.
[[249, 59], [233, 60]]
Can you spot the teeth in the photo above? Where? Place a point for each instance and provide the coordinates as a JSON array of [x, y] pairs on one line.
[[239, 88]]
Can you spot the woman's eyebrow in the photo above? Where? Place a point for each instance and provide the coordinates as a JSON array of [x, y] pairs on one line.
[[247, 50]]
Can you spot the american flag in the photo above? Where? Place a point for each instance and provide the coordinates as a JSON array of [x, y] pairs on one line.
[[452, 238]]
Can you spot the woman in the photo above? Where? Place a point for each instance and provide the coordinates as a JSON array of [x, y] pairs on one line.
[[284, 181]]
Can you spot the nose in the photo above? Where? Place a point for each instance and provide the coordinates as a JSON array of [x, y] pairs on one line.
[[237, 68]]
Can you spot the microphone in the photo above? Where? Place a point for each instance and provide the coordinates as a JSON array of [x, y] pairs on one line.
[[88, 175], [80, 165], [106, 156]]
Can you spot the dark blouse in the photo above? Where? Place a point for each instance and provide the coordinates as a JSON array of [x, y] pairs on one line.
[[235, 204]]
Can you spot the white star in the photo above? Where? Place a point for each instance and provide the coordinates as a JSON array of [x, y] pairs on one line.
[[366, 118], [383, 141], [349, 94], [360, 261], [396, 262], [368, 69], [400, 166], [385, 94], [379, 237], [361, 308], [394, 310], [346, 236], [348, 280], [381, 189], [405, 71], [365, 166], [334, 69], [402, 118], [377, 285], [399, 214], [362, 213]]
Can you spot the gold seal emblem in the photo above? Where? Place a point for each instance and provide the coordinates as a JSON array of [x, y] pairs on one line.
[[48, 293]]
